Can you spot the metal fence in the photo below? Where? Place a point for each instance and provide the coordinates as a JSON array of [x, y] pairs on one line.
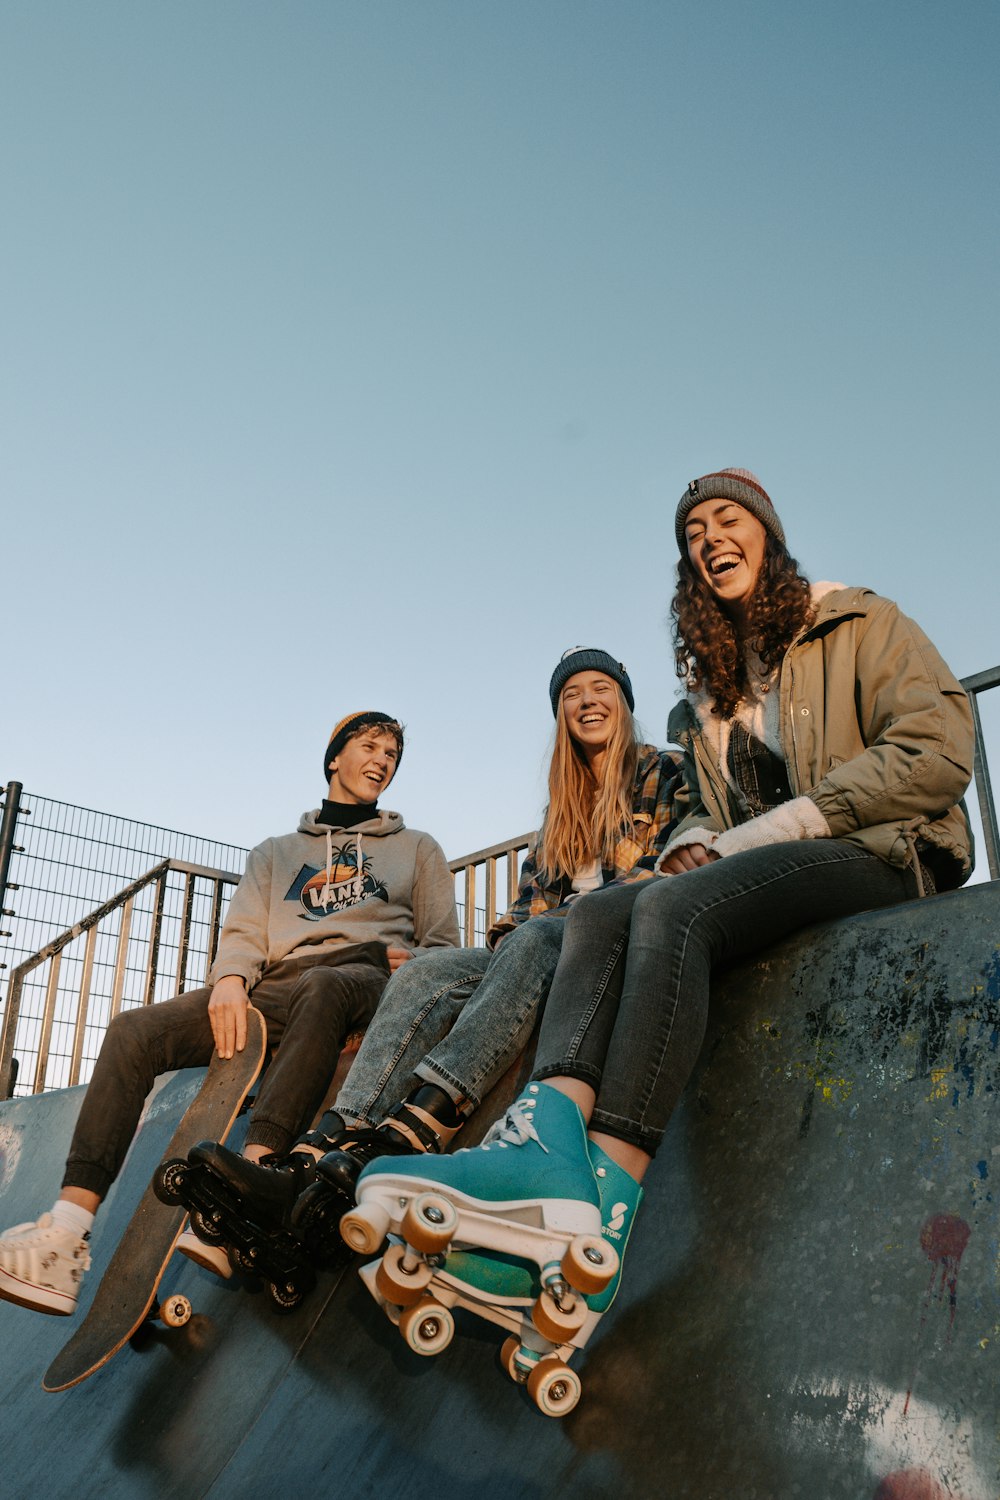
[[59, 866], [102, 914]]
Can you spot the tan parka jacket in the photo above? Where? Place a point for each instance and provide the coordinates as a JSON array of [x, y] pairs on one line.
[[875, 730]]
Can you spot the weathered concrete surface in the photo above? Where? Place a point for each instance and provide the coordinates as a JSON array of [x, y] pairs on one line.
[[810, 1307]]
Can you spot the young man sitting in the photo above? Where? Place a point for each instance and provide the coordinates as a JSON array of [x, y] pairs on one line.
[[320, 919]]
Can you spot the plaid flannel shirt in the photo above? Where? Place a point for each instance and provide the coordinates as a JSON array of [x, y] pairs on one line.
[[657, 776]]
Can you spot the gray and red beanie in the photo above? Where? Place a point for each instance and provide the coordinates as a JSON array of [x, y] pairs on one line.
[[588, 659], [353, 724], [729, 484]]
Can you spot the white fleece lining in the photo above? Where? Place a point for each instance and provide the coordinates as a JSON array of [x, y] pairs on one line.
[[798, 819]]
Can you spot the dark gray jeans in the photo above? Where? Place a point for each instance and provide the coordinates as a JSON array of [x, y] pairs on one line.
[[311, 1005], [628, 1006]]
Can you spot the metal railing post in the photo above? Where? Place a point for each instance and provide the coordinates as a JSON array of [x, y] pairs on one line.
[[8, 829], [154, 940], [975, 685], [8, 1066]]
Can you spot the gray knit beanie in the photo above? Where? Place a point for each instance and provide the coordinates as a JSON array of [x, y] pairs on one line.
[[729, 484], [588, 659]]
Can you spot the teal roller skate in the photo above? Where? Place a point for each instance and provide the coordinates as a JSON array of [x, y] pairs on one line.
[[530, 1263]]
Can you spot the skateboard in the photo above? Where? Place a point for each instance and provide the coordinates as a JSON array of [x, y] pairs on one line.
[[528, 1281], [127, 1292], [285, 1262]]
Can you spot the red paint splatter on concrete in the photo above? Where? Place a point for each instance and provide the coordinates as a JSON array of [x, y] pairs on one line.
[[911, 1484], [943, 1238]]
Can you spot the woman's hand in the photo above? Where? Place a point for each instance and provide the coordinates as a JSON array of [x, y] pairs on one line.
[[687, 857]]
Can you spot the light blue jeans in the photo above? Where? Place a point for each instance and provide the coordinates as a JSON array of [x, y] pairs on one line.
[[457, 1018]]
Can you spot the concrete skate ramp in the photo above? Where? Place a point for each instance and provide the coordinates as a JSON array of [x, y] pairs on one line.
[[810, 1306]]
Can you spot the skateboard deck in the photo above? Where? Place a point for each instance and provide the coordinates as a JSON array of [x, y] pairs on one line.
[[128, 1288]]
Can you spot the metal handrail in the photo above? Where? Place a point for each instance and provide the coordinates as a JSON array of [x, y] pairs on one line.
[[52, 952], [489, 858], [978, 683]]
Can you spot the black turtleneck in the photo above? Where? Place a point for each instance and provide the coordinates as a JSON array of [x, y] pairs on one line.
[[346, 814]]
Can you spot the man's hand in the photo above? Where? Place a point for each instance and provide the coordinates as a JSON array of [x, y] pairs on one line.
[[687, 857], [227, 1011], [397, 957]]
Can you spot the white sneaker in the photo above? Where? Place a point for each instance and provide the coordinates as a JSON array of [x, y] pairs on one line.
[[42, 1266], [209, 1257]]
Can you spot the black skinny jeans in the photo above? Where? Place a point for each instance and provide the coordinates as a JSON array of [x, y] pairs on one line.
[[628, 1007], [311, 1005]]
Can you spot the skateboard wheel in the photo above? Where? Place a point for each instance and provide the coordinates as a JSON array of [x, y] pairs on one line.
[[427, 1327], [398, 1285], [557, 1323], [429, 1223], [589, 1263], [554, 1388], [168, 1178], [174, 1311], [364, 1228]]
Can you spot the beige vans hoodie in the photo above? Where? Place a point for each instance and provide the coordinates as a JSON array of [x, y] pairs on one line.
[[323, 887]]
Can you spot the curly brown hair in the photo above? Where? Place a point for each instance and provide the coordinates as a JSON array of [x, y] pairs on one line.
[[709, 652]]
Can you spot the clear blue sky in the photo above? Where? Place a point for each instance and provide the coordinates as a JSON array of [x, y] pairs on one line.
[[356, 354]]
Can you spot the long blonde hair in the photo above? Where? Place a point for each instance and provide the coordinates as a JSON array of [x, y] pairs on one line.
[[585, 817]]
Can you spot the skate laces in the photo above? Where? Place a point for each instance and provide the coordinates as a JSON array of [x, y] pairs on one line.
[[515, 1129]]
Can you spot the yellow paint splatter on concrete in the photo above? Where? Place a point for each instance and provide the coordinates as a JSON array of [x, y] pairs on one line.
[[836, 1090], [940, 1084]]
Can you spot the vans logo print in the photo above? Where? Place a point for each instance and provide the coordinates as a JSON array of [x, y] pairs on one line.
[[323, 892]]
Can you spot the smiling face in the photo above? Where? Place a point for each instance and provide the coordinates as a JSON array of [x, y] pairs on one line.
[[725, 546], [364, 767], [591, 706]]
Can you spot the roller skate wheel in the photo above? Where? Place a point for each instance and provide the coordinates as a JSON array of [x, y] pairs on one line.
[[168, 1178], [286, 1295], [206, 1227], [429, 1223], [174, 1311], [427, 1327], [589, 1263], [508, 1357], [364, 1228], [397, 1284], [556, 1323], [554, 1388], [244, 1261]]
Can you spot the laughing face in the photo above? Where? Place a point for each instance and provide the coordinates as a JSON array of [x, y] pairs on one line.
[[364, 767], [591, 705], [725, 546]]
